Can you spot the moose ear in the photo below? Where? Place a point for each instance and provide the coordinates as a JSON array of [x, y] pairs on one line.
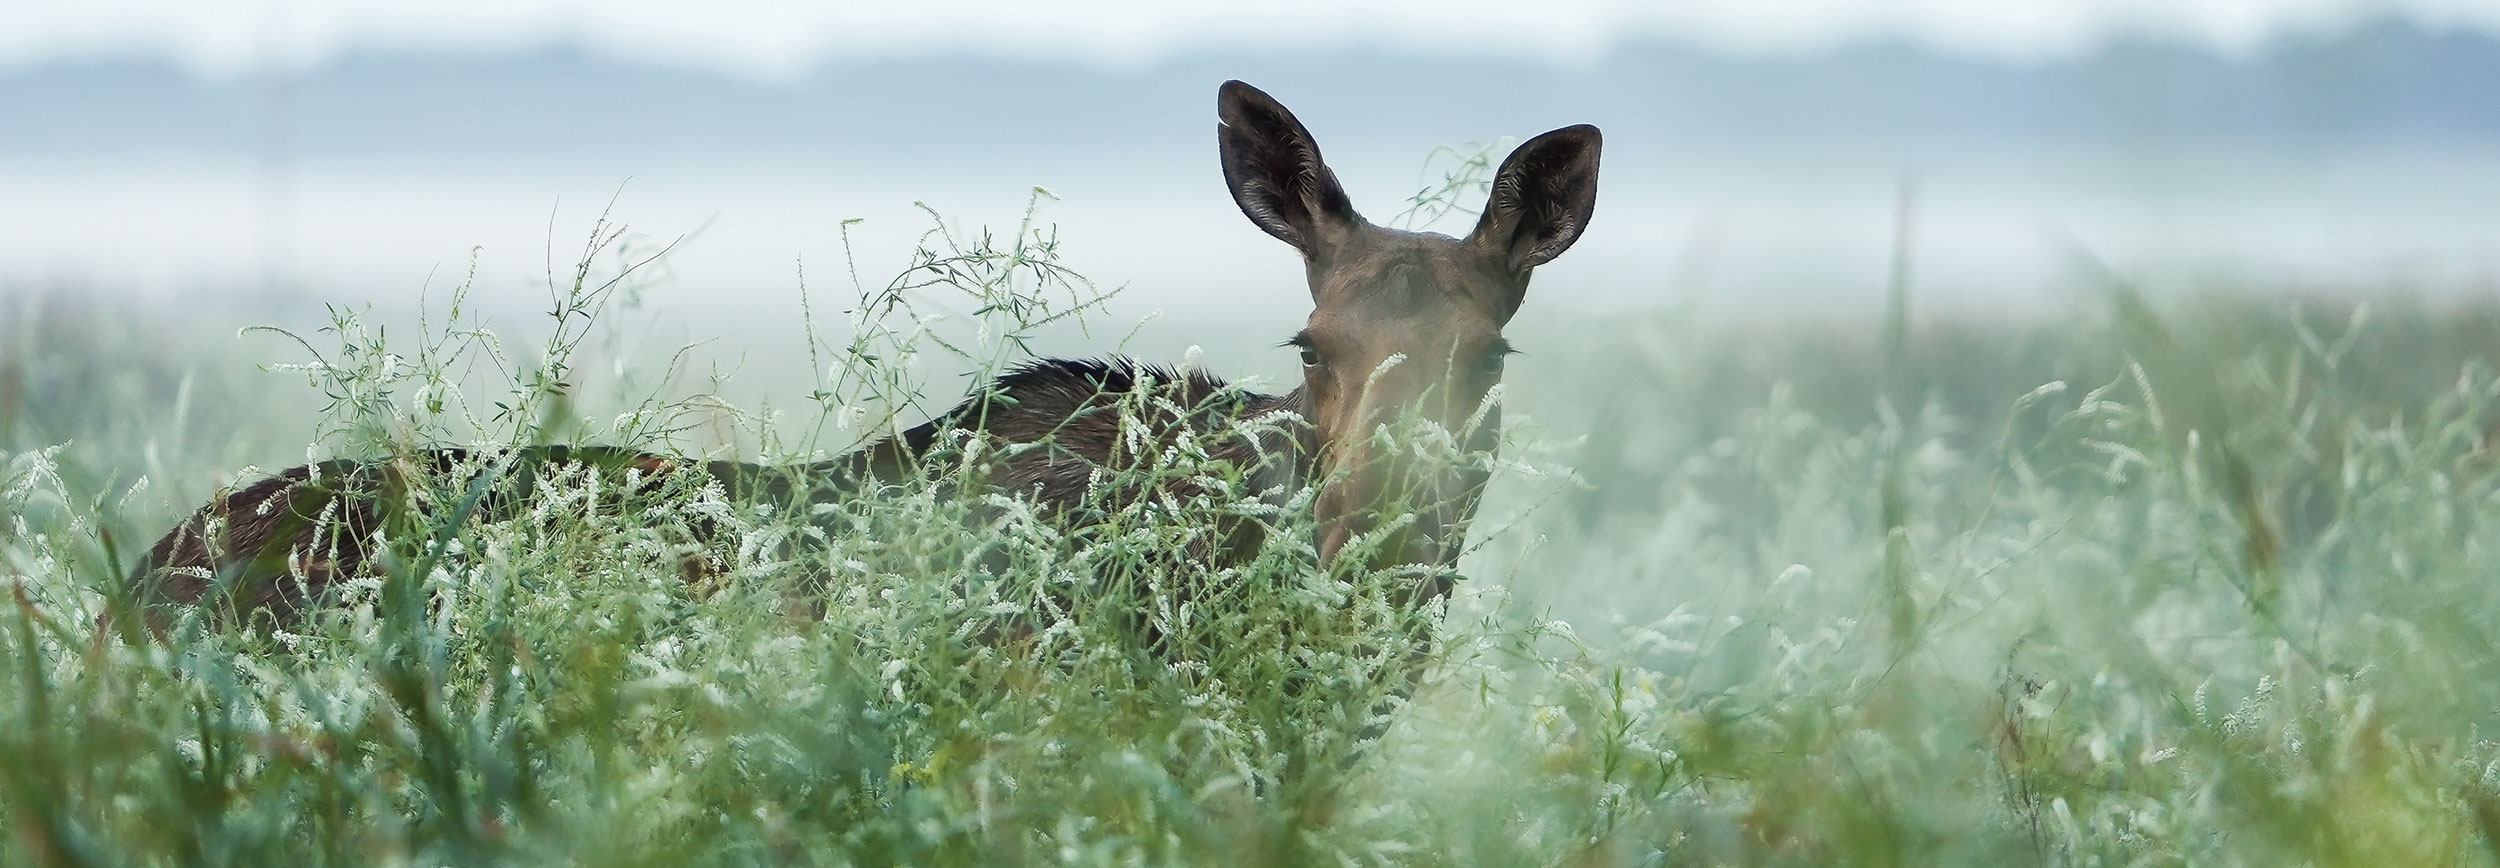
[[1542, 198], [1275, 171]]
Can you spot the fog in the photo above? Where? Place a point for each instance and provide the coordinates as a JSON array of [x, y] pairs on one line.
[[2355, 159]]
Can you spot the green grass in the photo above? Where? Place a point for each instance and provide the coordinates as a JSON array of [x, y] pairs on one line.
[[2209, 584]]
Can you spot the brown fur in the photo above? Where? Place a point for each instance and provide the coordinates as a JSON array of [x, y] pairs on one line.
[[281, 544]]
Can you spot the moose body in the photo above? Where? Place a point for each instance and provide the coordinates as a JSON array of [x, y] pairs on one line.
[[1406, 328], [282, 543]]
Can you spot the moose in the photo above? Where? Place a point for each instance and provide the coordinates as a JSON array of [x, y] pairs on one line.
[[1404, 325]]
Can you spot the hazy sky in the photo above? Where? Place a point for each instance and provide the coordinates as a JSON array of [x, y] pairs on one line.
[[401, 170], [770, 38]]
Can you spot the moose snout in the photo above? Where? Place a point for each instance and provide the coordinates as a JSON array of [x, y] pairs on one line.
[[1412, 478], [1364, 504]]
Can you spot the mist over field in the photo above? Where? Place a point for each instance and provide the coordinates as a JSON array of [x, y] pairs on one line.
[[2062, 435], [1736, 182]]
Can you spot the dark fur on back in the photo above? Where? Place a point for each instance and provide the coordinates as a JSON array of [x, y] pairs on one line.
[[1073, 407], [279, 545]]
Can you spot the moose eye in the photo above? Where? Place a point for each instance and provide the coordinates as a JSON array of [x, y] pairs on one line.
[[1310, 357]]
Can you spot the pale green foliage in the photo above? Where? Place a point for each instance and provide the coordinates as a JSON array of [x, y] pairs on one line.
[[2204, 588]]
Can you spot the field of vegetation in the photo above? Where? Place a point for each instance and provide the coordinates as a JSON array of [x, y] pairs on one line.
[[2183, 582]]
